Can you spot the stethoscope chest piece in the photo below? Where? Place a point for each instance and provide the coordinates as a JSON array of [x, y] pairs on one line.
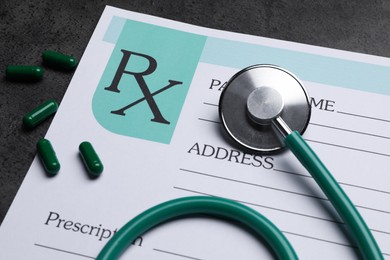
[[255, 98]]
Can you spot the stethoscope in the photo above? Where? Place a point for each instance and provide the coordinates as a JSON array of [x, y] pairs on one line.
[[263, 108]]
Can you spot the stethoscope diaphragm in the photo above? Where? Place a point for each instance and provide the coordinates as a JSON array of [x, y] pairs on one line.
[[252, 101]]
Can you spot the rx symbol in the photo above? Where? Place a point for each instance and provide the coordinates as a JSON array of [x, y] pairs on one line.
[[139, 77]]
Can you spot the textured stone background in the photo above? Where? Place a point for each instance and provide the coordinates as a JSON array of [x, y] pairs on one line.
[[27, 28]]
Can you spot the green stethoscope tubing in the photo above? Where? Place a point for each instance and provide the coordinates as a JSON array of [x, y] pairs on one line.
[[187, 206], [340, 201]]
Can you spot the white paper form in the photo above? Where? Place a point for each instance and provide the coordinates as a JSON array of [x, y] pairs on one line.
[[145, 94]]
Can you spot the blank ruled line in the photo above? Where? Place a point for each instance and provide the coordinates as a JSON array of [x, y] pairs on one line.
[[277, 189], [341, 183], [319, 239], [368, 208], [380, 231], [293, 173], [208, 120], [363, 116], [348, 147], [351, 131], [263, 206], [176, 254], [365, 188], [253, 184], [63, 251]]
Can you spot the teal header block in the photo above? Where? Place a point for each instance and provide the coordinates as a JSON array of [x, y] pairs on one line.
[[146, 80], [306, 66]]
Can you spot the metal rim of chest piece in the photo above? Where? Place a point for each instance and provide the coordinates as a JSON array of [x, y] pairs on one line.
[[236, 109]]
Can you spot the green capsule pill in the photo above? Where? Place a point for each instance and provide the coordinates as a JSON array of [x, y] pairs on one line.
[[48, 157], [39, 114], [58, 60], [24, 73], [91, 160]]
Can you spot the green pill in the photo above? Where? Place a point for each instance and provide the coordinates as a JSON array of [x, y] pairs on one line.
[[91, 160], [39, 114], [58, 60], [48, 157], [24, 73]]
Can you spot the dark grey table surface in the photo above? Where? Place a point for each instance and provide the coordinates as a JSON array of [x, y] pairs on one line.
[[27, 28]]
